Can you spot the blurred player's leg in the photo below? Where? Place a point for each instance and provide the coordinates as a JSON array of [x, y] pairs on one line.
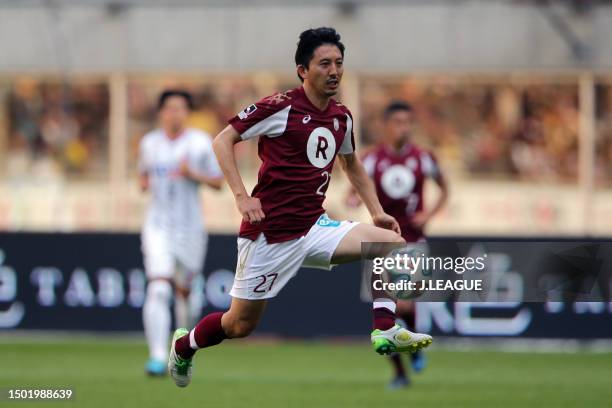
[[191, 252], [400, 378], [182, 312], [159, 266], [156, 319], [182, 290]]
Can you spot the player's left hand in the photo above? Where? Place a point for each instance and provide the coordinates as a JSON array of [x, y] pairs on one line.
[[183, 170], [386, 221]]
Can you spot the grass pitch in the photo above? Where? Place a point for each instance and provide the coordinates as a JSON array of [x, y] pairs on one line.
[[108, 373]]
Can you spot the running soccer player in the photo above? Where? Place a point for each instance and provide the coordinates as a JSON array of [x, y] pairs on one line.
[[174, 161], [284, 225], [399, 169]]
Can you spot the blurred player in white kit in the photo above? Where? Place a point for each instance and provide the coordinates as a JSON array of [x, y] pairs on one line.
[[174, 161]]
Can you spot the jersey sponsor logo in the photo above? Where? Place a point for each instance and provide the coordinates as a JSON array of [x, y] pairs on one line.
[[325, 221], [336, 124], [321, 147], [397, 181], [306, 119], [247, 111]]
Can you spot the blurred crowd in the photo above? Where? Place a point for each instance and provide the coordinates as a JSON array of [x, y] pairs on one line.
[[55, 128], [477, 127], [527, 132]]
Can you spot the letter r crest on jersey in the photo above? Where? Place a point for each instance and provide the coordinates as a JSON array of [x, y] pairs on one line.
[[321, 147]]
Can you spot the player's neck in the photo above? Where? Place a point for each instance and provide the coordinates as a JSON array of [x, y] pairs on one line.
[[399, 146], [173, 134], [317, 100]]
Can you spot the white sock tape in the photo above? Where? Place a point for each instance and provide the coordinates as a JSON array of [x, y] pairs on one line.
[[192, 342], [386, 303]]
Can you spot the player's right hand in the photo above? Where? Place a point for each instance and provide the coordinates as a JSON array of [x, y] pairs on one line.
[[250, 208]]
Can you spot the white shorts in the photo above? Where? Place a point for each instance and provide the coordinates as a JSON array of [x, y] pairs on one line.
[[176, 258], [264, 269]]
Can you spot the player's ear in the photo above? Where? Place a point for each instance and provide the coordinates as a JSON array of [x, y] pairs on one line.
[[302, 71]]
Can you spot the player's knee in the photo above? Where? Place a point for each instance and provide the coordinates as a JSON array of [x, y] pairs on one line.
[[240, 328], [181, 293], [397, 238], [159, 290], [392, 236]]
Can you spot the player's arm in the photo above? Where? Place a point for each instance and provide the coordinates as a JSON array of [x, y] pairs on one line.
[[143, 181], [143, 174], [223, 145], [433, 172], [364, 187], [422, 218], [187, 172], [352, 199]]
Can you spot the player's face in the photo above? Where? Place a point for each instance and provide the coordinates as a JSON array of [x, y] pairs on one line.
[[399, 126], [174, 113], [325, 70]]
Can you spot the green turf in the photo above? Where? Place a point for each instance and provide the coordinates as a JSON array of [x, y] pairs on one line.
[[109, 373]]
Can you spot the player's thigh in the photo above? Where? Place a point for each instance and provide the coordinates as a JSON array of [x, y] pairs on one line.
[[349, 248], [157, 254], [264, 269]]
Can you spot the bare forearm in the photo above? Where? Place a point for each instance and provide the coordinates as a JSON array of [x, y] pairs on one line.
[[212, 182], [365, 189], [223, 146], [143, 182], [362, 184], [442, 198]]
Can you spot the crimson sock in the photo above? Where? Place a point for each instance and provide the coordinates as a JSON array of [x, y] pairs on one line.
[[384, 319], [208, 332]]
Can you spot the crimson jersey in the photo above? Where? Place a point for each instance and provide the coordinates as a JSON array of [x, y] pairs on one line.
[[298, 144], [399, 178]]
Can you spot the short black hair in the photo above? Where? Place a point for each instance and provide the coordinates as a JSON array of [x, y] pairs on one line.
[[169, 93], [396, 106], [312, 39]]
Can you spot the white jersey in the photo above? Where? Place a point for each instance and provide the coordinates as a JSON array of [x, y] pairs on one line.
[[175, 205]]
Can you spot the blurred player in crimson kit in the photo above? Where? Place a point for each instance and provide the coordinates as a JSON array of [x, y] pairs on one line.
[[399, 169], [284, 226]]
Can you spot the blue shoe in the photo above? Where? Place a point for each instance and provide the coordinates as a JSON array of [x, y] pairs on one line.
[[418, 361], [398, 383], [155, 368]]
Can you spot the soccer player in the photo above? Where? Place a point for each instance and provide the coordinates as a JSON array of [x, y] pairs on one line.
[[399, 169], [174, 161], [284, 225]]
